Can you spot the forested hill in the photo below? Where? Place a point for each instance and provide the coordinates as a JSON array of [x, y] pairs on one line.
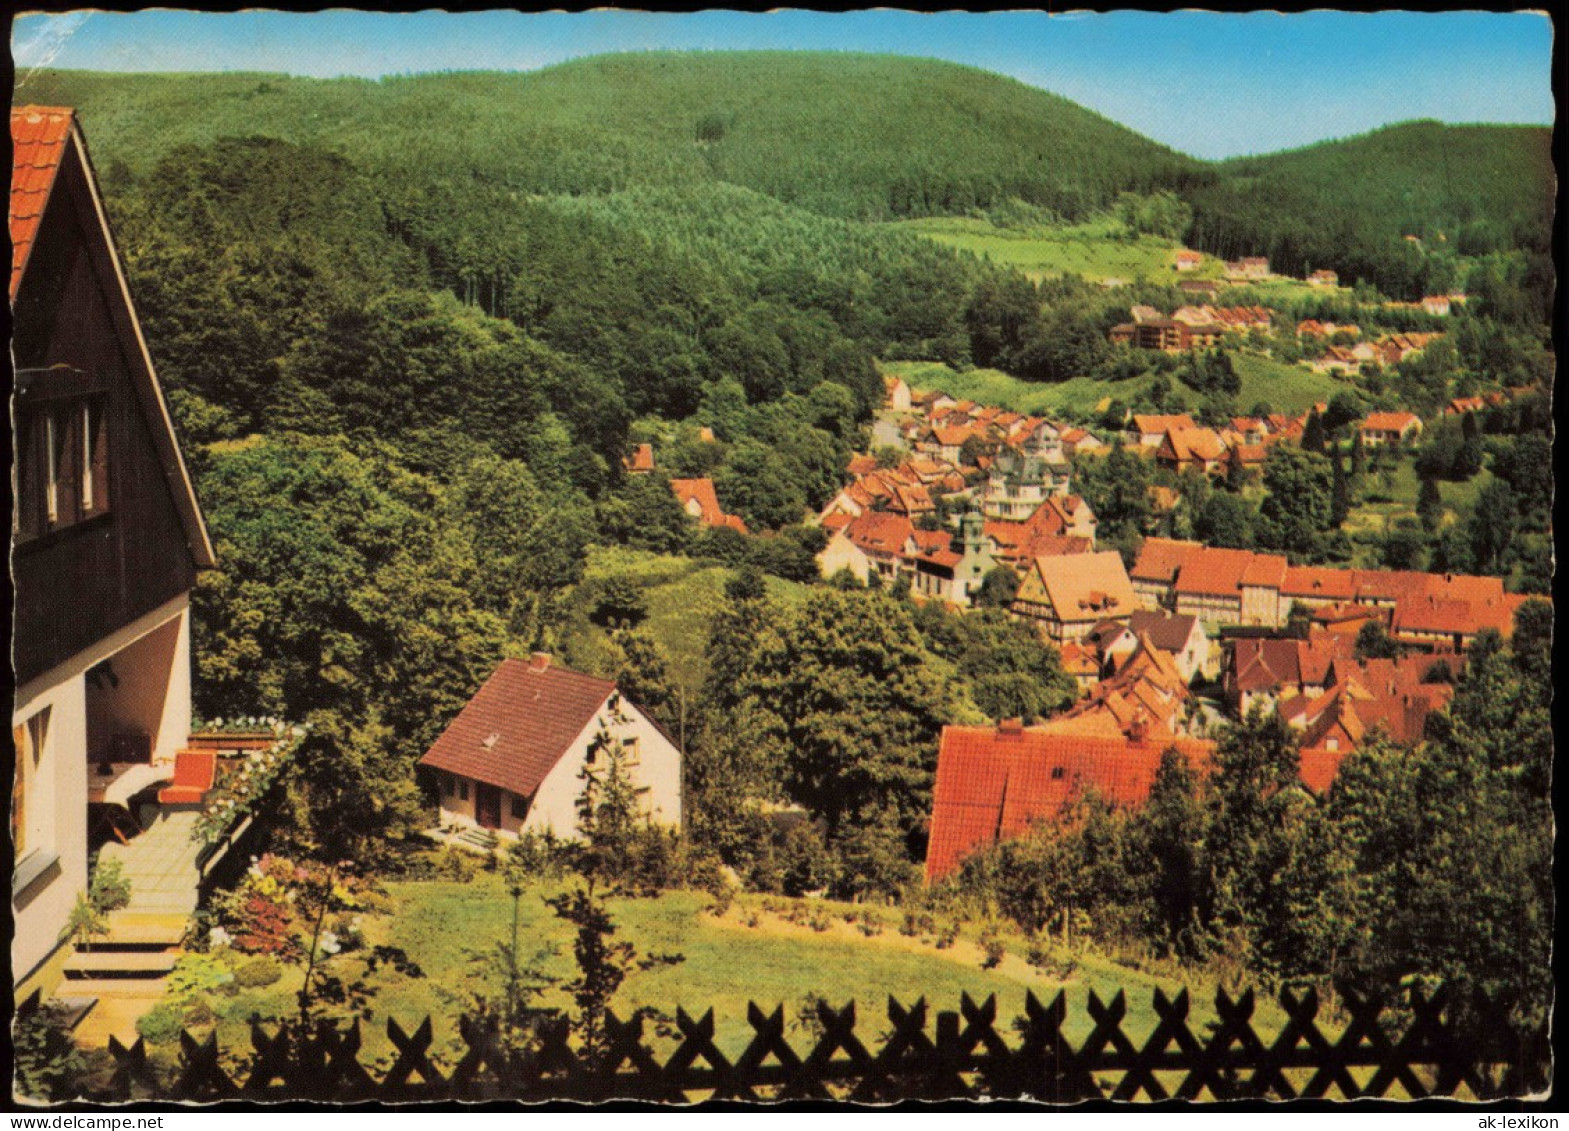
[[1471, 190], [853, 136]]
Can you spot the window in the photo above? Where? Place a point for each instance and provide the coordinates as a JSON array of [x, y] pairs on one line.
[[61, 475], [519, 807], [448, 786], [30, 790], [631, 752], [463, 790]]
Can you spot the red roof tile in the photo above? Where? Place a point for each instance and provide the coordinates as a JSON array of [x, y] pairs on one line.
[[39, 135], [1160, 559], [993, 785], [880, 532], [701, 491], [518, 725], [1389, 421]]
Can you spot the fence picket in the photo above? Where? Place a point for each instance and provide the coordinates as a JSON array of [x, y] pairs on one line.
[[1446, 1044]]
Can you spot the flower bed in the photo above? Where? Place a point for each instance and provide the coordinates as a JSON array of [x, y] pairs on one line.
[[243, 781]]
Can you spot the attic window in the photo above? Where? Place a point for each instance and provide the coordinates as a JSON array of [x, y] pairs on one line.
[[1058, 773], [489, 743], [62, 466]]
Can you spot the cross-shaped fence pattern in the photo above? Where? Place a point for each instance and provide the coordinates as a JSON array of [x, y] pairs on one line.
[[1445, 1043]]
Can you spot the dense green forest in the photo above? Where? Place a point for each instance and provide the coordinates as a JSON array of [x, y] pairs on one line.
[[1350, 204], [859, 137]]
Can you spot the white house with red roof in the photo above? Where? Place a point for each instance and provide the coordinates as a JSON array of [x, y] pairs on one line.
[[521, 754], [1390, 429]]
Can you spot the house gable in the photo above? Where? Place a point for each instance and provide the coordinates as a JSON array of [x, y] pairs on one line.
[[81, 362]]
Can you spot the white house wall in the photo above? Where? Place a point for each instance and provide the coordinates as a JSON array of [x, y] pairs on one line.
[[57, 794]]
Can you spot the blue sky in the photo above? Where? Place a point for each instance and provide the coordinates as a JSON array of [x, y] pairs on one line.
[[1209, 84]]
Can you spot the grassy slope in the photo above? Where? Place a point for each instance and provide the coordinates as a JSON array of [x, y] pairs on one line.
[[1288, 388], [830, 131], [1093, 250], [683, 596]]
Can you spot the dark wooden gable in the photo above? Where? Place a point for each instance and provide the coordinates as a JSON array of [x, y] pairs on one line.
[[118, 533]]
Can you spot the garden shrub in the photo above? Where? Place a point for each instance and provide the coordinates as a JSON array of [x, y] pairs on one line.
[[110, 889], [262, 970], [161, 1025], [993, 947], [47, 1064]]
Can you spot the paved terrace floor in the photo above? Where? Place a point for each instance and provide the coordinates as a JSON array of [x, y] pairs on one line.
[[160, 863]]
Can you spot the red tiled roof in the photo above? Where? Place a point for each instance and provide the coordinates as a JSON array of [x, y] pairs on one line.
[[1214, 572], [992, 785], [1161, 558], [1183, 444], [710, 513], [1080, 587], [1150, 425], [641, 459], [39, 135], [518, 725], [880, 532], [1389, 421], [930, 541]]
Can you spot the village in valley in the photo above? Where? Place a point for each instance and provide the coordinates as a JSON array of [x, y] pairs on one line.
[[568, 642]]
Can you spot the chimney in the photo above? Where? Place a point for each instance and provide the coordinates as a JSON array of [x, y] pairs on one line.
[[538, 661], [1011, 726]]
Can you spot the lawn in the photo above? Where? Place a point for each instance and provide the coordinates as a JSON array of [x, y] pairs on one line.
[[773, 951], [1093, 250], [683, 596], [750, 954]]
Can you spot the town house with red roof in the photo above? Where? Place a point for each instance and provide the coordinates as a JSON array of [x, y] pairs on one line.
[[1069, 595], [524, 750], [995, 783]]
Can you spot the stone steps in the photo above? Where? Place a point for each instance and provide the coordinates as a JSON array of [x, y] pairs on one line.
[[118, 965], [144, 928], [483, 839], [142, 988]]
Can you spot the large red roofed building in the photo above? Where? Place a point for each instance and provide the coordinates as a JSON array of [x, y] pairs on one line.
[[995, 782], [515, 758]]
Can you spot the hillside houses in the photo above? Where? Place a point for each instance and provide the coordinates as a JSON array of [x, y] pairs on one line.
[[1146, 696], [1323, 278], [1247, 268], [1016, 485], [1149, 430], [1241, 587]]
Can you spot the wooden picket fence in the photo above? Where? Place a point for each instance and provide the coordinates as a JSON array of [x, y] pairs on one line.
[[1443, 1044]]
